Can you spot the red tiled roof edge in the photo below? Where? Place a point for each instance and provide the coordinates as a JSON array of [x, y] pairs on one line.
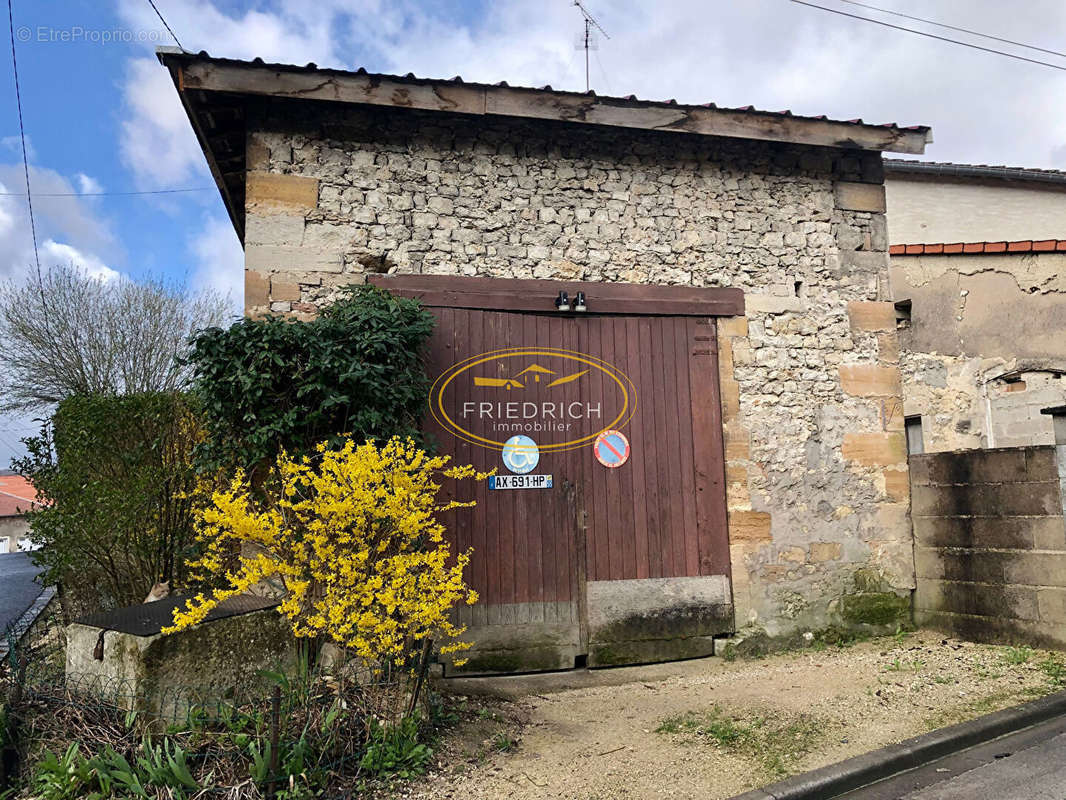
[[969, 248]]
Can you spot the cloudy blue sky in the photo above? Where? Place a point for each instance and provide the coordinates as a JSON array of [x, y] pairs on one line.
[[102, 116]]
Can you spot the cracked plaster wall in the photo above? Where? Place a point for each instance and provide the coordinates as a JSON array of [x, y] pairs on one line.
[[985, 347]]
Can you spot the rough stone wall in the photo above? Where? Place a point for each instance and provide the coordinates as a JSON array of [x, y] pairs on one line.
[[984, 351], [990, 544], [810, 381]]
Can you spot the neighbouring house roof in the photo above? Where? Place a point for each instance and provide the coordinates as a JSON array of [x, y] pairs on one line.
[[979, 248], [215, 93], [944, 169], [17, 495]]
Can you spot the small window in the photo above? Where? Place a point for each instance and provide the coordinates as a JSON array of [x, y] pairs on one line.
[[1015, 384], [915, 442], [903, 314]]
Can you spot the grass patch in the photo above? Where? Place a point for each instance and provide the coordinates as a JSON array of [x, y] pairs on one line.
[[1055, 671], [1017, 655], [776, 743], [503, 742], [899, 665]]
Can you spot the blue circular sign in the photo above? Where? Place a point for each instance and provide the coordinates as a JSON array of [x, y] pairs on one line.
[[520, 454]]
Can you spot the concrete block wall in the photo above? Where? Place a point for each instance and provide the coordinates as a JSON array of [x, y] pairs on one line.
[[990, 544]]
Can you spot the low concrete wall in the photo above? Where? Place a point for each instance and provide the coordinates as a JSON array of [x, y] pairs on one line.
[[990, 544], [164, 676], [656, 619]]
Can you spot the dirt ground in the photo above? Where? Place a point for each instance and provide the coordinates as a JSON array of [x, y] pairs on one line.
[[712, 729]]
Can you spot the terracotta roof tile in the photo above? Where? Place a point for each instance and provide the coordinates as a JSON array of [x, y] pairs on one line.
[[1025, 246], [17, 495]]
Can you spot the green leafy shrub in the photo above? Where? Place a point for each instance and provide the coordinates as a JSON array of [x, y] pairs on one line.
[[63, 777], [396, 750], [318, 731], [267, 384], [115, 477]]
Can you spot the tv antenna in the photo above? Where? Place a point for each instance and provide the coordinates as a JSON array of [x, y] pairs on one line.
[[589, 39]]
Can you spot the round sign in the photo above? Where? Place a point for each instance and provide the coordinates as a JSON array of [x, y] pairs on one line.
[[520, 454], [612, 448]]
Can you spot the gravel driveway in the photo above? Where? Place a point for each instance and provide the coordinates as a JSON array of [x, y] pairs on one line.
[[710, 728]]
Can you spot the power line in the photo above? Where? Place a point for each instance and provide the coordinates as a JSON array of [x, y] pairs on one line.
[[932, 36], [165, 25], [955, 28], [22, 134], [110, 194]]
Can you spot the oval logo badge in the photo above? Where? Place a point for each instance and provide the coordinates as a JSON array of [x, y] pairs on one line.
[[561, 398]]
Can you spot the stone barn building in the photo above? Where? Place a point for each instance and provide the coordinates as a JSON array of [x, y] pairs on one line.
[[669, 328]]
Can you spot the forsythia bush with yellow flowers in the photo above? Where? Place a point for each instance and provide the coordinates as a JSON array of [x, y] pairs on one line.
[[354, 536]]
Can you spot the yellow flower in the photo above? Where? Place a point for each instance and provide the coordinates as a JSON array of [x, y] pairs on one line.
[[355, 536]]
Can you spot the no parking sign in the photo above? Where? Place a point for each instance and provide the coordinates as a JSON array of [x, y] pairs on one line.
[[612, 448]]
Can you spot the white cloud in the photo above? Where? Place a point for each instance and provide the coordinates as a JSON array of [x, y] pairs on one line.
[[219, 261], [157, 142], [14, 145], [57, 253], [65, 222], [769, 53], [88, 184]]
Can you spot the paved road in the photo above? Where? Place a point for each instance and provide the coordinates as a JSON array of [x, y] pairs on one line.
[[18, 589], [1028, 765]]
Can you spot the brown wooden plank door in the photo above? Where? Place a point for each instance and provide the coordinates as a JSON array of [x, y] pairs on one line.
[[662, 514], [631, 531]]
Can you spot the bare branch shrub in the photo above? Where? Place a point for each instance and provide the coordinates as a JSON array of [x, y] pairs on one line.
[[72, 333]]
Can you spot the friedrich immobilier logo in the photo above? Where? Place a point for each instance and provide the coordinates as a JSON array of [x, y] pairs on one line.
[[567, 398]]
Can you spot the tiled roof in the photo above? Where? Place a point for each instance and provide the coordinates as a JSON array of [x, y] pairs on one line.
[[17, 495], [906, 166], [974, 248]]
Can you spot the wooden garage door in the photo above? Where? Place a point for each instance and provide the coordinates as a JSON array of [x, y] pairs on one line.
[[652, 376]]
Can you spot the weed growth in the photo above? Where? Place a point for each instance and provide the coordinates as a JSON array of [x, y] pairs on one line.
[[775, 742]]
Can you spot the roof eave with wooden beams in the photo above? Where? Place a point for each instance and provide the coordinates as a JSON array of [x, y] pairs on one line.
[[215, 91]]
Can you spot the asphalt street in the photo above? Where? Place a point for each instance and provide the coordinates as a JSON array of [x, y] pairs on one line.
[[1027, 765], [18, 589]]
